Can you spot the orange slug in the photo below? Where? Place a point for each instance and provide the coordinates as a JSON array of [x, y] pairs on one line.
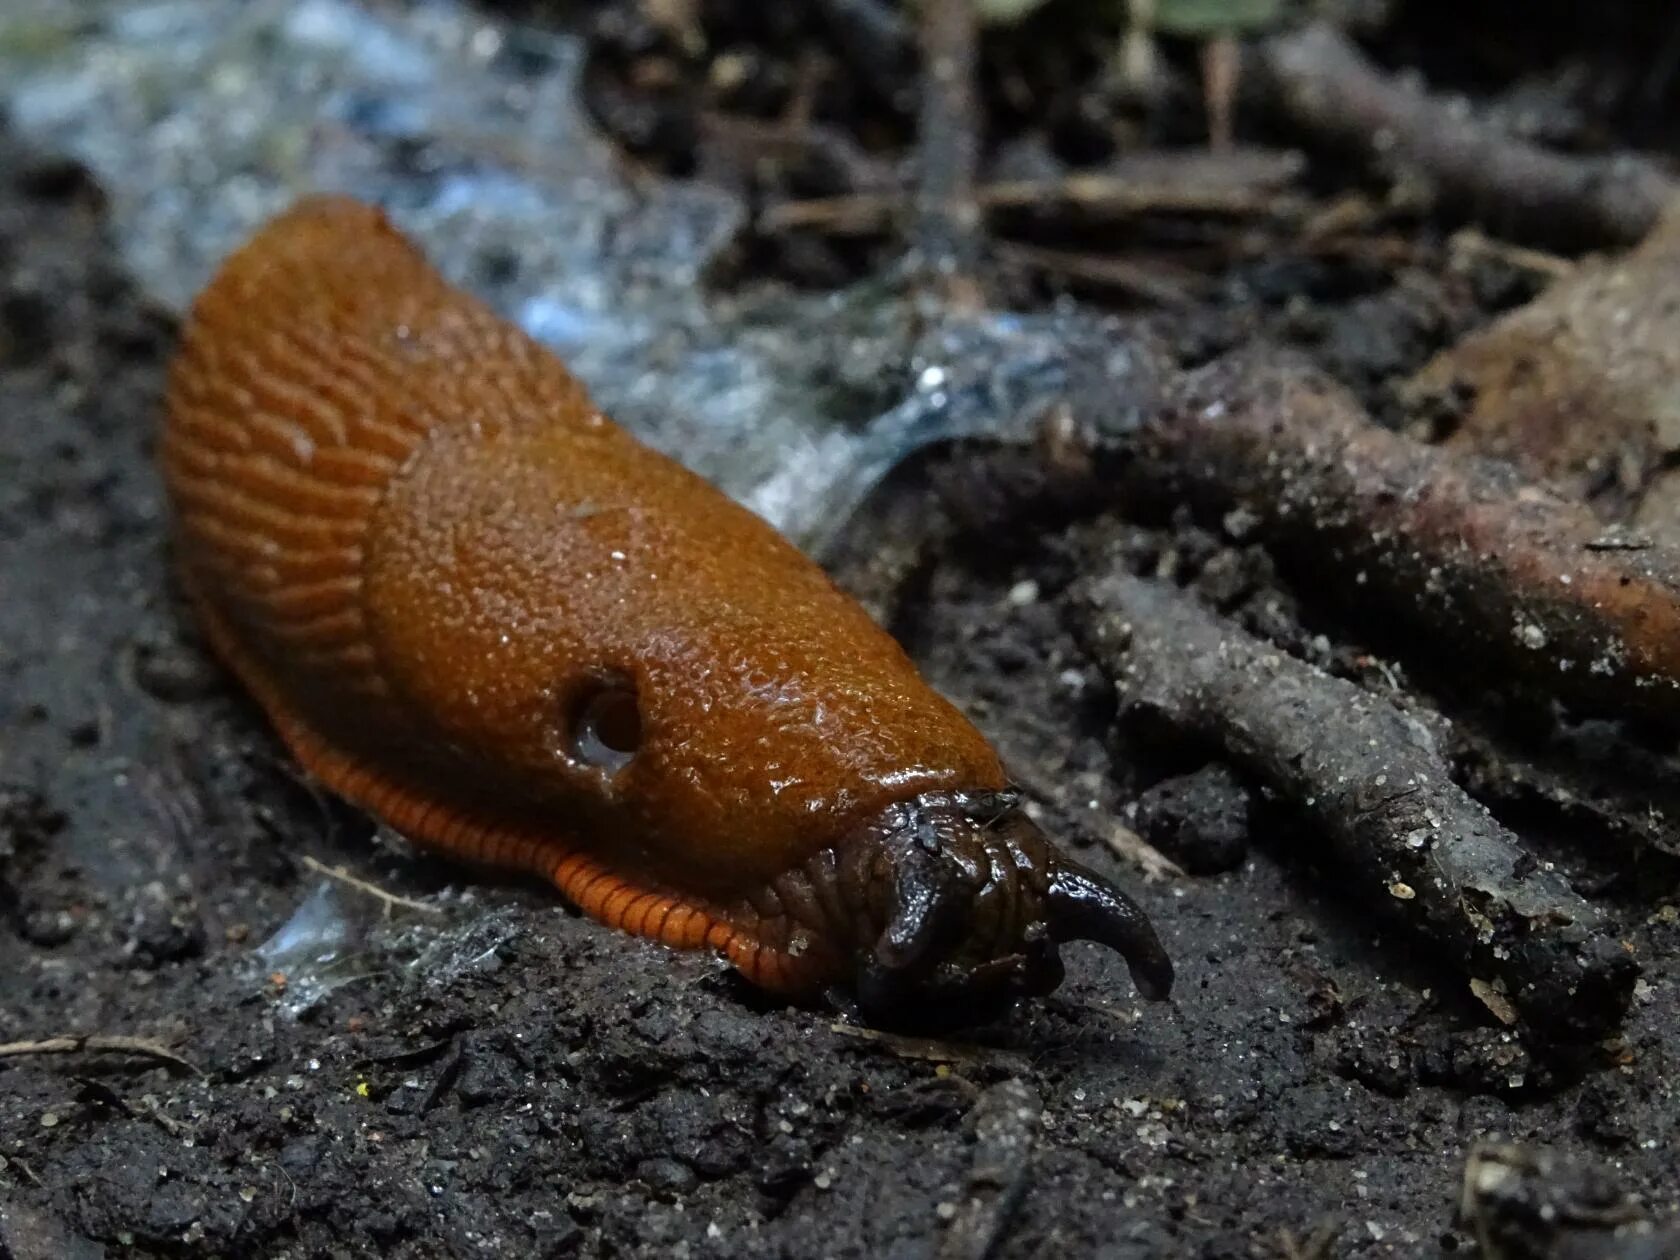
[[475, 607]]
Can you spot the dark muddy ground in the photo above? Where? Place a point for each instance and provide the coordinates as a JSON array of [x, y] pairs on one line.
[[493, 1076]]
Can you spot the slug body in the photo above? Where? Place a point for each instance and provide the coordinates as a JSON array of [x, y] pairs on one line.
[[477, 608]]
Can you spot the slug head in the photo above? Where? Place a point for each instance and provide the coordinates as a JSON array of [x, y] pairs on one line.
[[963, 904]]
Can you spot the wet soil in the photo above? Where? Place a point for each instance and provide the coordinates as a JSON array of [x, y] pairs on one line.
[[483, 1073]]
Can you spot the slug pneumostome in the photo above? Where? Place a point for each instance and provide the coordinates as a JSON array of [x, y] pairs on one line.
[[477, 608]]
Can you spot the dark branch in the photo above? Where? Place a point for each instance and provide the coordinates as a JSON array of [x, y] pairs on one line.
[[1372, 779], [1324, 86], [947, 234], [1498, 574]]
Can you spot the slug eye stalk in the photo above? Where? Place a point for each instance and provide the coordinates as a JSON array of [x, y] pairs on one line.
[[1082, 906]]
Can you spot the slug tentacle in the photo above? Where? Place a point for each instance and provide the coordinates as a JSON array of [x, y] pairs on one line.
[[1081, 906], [952, 905], [478, 609]]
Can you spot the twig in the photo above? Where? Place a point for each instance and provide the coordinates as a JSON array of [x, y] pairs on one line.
[[1323, 85], [1127, 844], [99, 1044], [1119, 193], [948, 149], [1500, 574], [103, 1094], [1373, 781], [170, 1125], [1221, 66], [389, 899], [1152, 283], [927, 1049], [1475, 241], [1237, 183], [1147, 184]]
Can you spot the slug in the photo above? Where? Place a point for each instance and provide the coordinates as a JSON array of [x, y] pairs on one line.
[[476, 608]]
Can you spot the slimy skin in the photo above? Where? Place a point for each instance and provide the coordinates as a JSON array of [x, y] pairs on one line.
[[480, 610]]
